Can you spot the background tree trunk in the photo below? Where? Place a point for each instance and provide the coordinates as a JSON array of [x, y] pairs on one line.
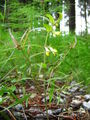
[[85, 10], [72, 16]]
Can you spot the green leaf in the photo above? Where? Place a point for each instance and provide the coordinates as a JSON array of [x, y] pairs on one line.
[[23, 66], [3, 90], [48, 27], [60, 16], [51, 91], [44, 65], [12, 88], [51, 19]]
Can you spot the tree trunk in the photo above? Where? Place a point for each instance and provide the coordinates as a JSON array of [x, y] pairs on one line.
[[72, 16], [85, 10]]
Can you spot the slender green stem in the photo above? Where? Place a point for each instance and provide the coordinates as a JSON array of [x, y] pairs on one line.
[[45, 46], [45, 91], [45, 83]]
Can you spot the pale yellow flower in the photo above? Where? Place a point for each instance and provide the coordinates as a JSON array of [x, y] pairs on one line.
[[54, 51], [56, 33], [47, 51]]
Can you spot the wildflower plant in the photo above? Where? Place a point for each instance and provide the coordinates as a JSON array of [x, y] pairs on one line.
[[47, 49], [27, 66]]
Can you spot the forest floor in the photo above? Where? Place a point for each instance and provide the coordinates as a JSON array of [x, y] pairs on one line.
[[74, 104]]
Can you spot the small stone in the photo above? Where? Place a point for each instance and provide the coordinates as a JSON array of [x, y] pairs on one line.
[[35, 109], [32, 88], [57, 111], [47, 98], [79, 97], [21, 95], [75, 104], [81, 110], [87, 97], [82, 90], [19, 107], [40, 117], [74, 89], [18, 115], [86, 105], [49, 112]]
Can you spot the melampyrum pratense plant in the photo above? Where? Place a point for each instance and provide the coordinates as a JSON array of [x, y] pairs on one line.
[[42, 72]]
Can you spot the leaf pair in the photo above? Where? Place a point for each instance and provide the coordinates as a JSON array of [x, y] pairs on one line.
[[52, 23], [51, 19]]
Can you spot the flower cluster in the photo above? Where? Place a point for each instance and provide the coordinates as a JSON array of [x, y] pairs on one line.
[[49, 50]]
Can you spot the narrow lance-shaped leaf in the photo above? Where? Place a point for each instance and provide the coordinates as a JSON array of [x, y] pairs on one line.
[[51, 19], [48, 27]]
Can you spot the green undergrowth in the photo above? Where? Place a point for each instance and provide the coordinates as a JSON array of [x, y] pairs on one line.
[[29, 63], [76, 63]]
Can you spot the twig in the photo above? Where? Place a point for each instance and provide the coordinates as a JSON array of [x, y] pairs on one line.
[[12, 116]]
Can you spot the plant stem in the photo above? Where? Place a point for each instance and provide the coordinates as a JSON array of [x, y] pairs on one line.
[[45, 91], [45, 46], [45, 88]]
